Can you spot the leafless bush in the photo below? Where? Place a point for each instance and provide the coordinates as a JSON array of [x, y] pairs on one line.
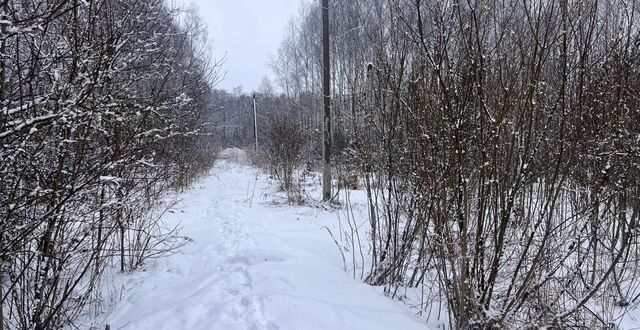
[[102, 108], [498, 145], [287, 146]]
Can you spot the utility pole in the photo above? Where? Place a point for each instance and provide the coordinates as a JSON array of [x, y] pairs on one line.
[[326, 145], [255, 120]]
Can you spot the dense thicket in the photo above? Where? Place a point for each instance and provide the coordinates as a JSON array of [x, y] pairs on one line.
[[102, 108], [499, 144]]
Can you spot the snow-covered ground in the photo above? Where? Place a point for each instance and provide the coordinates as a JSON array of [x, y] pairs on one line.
[[251, 265]]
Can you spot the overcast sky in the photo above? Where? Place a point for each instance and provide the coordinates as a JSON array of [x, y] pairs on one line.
[[248, 32]]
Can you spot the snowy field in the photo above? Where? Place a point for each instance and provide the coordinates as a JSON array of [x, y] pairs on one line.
[[251, 265]]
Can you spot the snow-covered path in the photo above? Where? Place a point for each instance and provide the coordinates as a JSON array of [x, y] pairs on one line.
[[251, 265]]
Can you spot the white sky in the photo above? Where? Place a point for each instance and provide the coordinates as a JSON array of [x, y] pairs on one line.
[[248, 32]]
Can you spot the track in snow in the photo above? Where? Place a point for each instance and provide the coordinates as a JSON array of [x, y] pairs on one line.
[[251, 266]]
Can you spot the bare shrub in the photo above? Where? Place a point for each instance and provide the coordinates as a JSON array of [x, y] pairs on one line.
[[287, 146], [102, 110], [498, 146]]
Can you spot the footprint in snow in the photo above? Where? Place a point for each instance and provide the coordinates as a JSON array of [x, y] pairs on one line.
[[254, 257]]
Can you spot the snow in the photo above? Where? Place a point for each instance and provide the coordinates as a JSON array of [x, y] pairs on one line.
[[250, 264], [234, 155]]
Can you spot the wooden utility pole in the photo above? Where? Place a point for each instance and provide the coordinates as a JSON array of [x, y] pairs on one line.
[[255, 120], [326, 145]]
